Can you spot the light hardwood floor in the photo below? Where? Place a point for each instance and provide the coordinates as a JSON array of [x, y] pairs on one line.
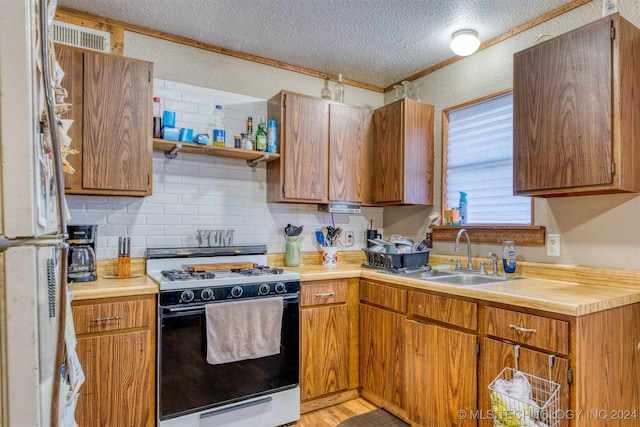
[[332, 416]]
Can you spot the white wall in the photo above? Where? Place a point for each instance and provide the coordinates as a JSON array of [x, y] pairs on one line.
[[194, 192], [594, 230]]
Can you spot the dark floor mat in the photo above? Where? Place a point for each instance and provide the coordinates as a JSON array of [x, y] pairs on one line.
[[375, 418]]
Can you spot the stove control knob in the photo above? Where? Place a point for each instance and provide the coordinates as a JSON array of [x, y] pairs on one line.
[[187, 296], [236, 291], [206, 294], [264, 289], [280, 287]]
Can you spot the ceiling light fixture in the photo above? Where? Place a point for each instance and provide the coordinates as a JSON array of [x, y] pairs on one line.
[[464, 42]]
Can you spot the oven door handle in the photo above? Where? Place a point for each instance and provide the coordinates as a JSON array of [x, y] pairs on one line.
[[180, 309], [236, 407], [183, 308]]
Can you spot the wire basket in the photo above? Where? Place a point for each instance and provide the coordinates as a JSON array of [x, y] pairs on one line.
[[519, 399]]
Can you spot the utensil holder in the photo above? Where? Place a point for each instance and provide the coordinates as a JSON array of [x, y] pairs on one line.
[[292, 252], [329, 255]]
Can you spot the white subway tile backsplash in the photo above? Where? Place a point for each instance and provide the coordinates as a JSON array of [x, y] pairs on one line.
[[193, 192]]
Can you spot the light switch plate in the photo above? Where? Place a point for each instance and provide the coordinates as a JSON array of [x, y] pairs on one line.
[[553, 245]]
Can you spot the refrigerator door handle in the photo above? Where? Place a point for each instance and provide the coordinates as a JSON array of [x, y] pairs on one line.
[[40, 241]]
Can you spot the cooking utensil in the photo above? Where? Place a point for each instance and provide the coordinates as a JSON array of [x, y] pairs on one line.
[[292, 230], [336, 238], [321, 238]]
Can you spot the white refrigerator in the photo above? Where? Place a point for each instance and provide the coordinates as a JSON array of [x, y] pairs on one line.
[[33, 299]]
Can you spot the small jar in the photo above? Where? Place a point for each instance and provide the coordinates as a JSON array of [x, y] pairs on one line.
[[237, 141], [246, 142]]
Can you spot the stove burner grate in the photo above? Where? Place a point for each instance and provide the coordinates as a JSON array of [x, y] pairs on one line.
[[261, 270], [176, 274]]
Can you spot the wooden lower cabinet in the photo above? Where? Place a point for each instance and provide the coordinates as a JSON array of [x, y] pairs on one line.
[[419, 357], [328, 342], [116, 347], [441, 375], [382, 361], [498, 354], [324, 343]]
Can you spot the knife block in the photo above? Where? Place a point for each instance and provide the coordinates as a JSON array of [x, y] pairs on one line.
[[124, 266]]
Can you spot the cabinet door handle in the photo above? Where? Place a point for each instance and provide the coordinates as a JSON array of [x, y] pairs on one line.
[[105, 319], [326, 295], [521, 329]]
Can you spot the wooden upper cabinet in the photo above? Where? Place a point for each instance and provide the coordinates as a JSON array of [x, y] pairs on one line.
[[403, 154], [322, 155], [575, 113], [111, 109], [349, 147], [300, 175]]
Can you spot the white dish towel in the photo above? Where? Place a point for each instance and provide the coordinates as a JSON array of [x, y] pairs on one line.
[[246, 329]]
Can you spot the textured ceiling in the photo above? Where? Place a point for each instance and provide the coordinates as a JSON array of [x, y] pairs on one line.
[[377, 42]]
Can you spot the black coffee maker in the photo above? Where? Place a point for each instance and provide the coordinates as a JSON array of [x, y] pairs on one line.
[[82, 253]]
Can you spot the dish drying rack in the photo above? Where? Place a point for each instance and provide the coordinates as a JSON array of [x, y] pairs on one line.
[[540, 409], [396, 261]]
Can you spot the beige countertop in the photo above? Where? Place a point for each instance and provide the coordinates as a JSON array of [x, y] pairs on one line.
[[110, 288], [580, 291], [555, 296]]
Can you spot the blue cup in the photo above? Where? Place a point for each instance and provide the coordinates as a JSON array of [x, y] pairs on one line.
[[186, 135], [169, 119]]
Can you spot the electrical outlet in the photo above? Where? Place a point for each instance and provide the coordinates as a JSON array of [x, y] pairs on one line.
[[348, 238], [553, 245]]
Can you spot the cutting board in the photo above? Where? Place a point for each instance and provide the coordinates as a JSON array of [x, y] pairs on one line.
[[219, 266]]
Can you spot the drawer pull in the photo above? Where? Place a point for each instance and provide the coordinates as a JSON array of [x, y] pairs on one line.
[[326, 295], [106, 319], [521, 329]]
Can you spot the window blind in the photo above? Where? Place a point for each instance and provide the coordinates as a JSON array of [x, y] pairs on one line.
[[479, 161]]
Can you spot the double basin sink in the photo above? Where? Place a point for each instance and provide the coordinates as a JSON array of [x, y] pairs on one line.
[[457, 278]]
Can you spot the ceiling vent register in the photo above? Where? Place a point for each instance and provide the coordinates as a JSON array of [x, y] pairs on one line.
[[85, 38]]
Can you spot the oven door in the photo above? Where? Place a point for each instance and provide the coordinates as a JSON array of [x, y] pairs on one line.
[[188, 384]]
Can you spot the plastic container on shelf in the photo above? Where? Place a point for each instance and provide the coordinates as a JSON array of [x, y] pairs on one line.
[[272, 137], [219, 134], [463, 208], [157, 118]]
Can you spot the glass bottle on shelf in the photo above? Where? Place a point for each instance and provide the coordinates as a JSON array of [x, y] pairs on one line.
[[326, 92], [405, 88], [338, 91], [250, 145], [261, 138], [399, 91]]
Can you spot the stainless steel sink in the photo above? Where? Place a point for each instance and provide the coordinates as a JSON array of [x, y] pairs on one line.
[[430, 274], [457, 278], [471, 279]]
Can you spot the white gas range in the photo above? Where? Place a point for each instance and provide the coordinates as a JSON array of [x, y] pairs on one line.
[[194, 393]]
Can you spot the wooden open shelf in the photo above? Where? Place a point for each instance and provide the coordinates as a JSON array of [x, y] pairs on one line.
[[252, 157]]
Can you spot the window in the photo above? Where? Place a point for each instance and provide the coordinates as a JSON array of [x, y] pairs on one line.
[[478, 159]]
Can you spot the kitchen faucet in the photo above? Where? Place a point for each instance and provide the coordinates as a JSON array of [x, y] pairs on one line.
[[494, 258], [457, 248]]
